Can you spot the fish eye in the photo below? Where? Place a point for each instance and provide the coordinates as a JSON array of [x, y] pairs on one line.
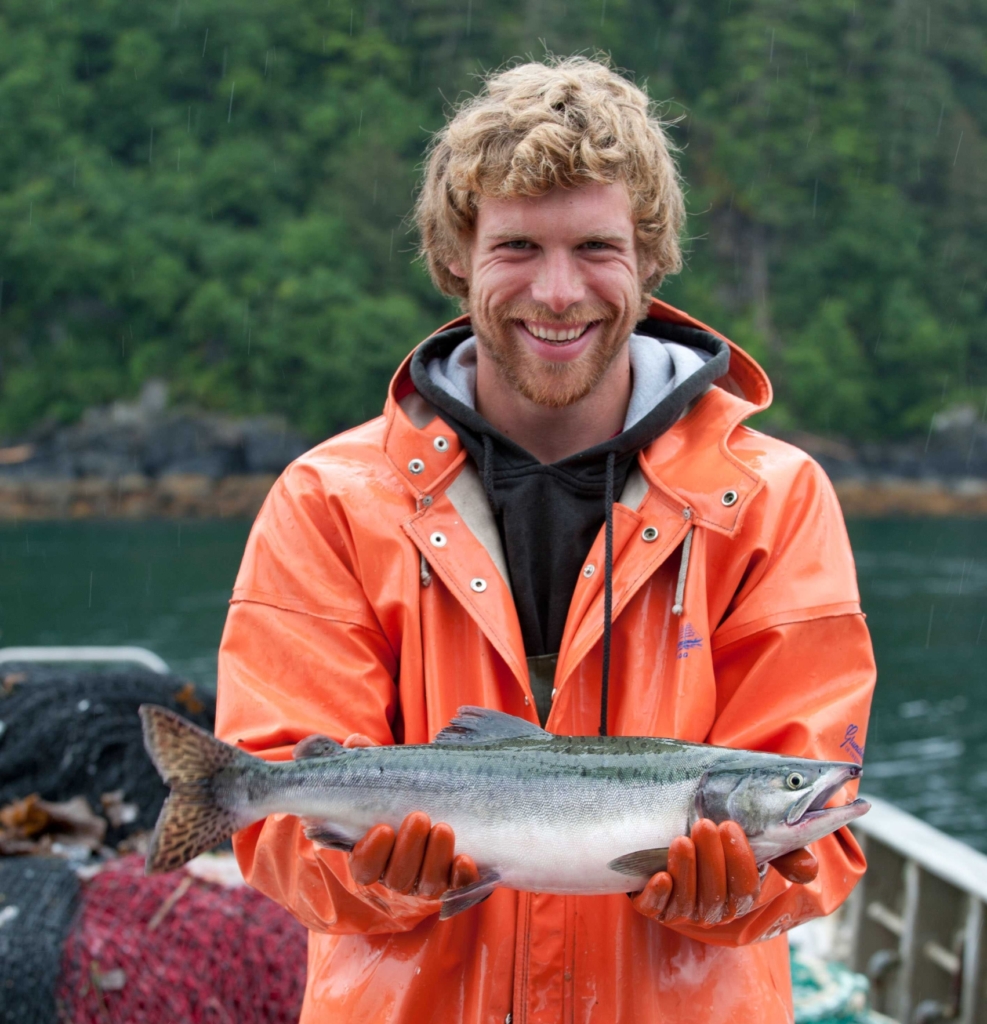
[[795, 780]]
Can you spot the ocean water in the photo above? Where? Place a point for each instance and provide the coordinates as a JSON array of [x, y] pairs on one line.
[[165, 586], [923, 586], [159, 584]]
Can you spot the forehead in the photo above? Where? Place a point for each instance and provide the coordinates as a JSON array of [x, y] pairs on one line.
[[593, 210]]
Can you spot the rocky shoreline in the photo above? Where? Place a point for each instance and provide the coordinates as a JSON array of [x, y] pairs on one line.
[[196, 496], [143, 460]]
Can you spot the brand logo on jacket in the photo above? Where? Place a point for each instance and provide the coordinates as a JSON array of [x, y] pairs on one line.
[[689, 640], [850, 743]]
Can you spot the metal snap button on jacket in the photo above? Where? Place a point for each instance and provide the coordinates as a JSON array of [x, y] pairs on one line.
[[438, 540], [729, 498], [478, 585], [649, 533], [589, 570], [441, 444], [416, 466]]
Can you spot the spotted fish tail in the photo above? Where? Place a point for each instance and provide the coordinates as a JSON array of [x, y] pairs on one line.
[[188, 759]]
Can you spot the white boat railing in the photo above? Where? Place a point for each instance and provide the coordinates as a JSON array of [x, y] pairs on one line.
[[131, 655], [917, 921]]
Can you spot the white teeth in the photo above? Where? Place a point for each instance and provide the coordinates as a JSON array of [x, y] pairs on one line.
[[560, 335]]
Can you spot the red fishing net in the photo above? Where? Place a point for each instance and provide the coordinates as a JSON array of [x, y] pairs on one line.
[[175, 948]]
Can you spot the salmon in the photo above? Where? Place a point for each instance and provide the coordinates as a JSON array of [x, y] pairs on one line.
[[537, 812]]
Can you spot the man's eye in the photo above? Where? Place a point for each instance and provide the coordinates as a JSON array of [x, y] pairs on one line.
[[517, 243], [597, 246]]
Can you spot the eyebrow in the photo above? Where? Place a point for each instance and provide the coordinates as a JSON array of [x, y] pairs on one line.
[[508, 236]]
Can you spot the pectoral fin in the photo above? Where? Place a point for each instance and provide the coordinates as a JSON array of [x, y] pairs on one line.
[[455, 901], [322, 833], [641, 862]]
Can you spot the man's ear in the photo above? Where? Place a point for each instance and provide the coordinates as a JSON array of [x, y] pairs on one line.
[[457, 270]]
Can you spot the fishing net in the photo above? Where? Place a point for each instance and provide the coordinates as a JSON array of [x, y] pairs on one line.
[[179, 948], [830, 993], [68, 733], [38, 902]]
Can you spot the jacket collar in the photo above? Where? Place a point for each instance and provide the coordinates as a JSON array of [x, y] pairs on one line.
[[690, 465]]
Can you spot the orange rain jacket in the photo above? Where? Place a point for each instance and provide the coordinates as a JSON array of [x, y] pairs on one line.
[[345, 618]]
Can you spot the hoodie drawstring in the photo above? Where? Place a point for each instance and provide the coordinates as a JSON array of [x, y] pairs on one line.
[[488, 480], [679, 605], [607, 594], [425, 574]]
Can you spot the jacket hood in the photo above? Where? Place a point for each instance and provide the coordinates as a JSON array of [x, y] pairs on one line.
[[745, 379], [702, 358], [691, 463]]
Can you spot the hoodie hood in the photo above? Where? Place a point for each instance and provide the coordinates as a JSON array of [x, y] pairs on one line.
[[672, 365]]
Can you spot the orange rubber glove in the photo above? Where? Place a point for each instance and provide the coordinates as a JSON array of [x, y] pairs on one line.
[[712, 876], [419, 858]]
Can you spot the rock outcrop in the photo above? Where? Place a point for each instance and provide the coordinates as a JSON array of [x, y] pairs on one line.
[[142, 458]]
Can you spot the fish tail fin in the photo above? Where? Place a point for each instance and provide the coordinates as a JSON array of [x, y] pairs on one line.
[[188, 759]]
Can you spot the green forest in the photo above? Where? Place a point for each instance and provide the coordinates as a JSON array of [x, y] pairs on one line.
[[216, 193]]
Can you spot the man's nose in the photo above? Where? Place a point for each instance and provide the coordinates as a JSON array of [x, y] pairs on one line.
[[558, 283]]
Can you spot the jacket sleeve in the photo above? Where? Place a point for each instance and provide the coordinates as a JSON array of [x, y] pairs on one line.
[[303, 653], [795, 673]]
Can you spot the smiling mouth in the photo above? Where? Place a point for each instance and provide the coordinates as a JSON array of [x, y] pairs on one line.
[[560, 334]]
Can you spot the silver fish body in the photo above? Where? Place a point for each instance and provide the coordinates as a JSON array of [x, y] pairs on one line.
[[537, 812]]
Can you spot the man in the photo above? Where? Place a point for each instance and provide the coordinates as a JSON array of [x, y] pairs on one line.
[[559, 515]]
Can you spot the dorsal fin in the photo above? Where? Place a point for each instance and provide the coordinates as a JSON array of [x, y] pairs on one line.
[[481, 725], [316, 745]]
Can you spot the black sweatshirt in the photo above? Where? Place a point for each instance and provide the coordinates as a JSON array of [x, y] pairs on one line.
[[549, 515]]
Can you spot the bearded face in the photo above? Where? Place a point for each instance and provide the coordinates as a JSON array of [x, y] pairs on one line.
[[554, 289], [553, 360]]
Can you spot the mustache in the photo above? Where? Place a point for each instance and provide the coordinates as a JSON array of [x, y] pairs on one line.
[[576, 315]]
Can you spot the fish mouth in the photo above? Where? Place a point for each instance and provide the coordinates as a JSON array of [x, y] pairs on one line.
[[813, 805]]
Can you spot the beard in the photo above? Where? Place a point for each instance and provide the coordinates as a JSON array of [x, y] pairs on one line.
[[546, 382]]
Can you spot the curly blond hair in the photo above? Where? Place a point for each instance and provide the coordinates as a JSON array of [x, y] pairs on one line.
[[566, 122]]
